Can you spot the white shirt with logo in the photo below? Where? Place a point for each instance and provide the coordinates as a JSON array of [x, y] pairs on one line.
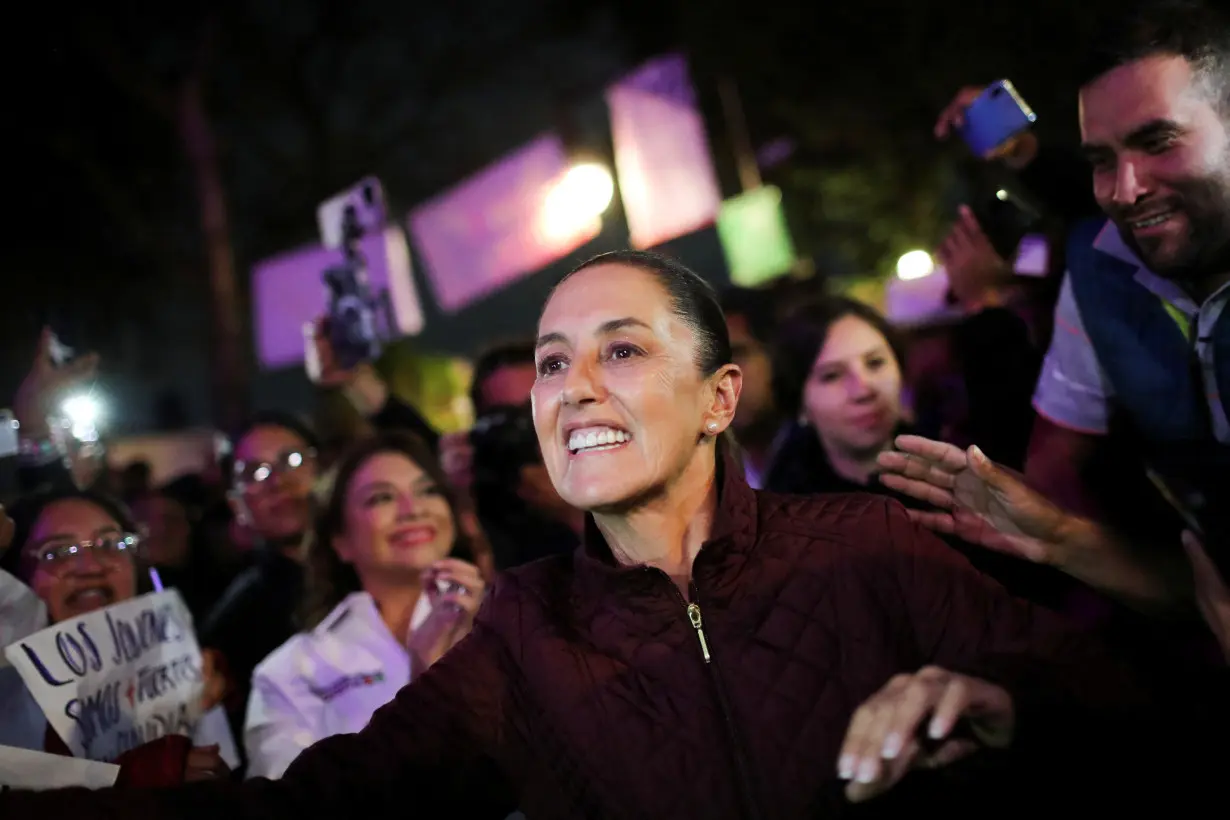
[[324, 682]]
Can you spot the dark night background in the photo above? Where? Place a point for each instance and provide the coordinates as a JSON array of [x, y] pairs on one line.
[[303, 98]]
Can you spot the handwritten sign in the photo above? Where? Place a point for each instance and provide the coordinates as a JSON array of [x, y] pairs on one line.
[[118, 677], [24, 769]]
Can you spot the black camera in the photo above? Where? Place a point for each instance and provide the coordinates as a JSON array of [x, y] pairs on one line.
[[504, 441]]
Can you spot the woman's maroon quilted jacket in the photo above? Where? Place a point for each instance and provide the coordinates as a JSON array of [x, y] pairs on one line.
[[584, 687]]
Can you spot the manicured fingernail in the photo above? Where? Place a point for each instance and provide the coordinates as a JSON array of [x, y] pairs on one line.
[[892, 746], [845, 767], [978, 455], [867, 771], [936, 730]]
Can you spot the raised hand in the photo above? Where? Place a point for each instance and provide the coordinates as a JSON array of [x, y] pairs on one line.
[[46, 385], [1016, 152], [952, 118], [975, 269], [363, 386], [323, 368], [976, 499]]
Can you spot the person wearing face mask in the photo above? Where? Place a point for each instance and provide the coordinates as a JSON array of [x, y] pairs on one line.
[[388, 593], [73, 552], [711, 650]]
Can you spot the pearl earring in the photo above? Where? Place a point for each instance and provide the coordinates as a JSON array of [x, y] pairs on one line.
[[712, 427]]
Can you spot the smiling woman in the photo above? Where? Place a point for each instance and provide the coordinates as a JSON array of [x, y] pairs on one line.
[[389, 590], [710, 651]]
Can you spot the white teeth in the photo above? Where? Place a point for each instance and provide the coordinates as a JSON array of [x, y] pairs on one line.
[[599, 437], [1154, 220]]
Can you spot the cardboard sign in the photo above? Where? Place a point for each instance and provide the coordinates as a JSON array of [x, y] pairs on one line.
[[24, 769], [116, 678]]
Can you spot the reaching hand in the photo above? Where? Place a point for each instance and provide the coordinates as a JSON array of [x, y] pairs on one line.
[[46, 385], [975, 269], [452, 611], [1212, 595], [885, 739], [978, 500]]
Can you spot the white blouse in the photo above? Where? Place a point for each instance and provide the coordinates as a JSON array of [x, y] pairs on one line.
[[324, 682]]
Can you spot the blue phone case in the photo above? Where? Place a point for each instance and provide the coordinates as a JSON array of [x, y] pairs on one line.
[[996, 116]]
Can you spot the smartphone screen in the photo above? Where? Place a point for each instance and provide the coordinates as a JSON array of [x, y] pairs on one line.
[[995, 117]]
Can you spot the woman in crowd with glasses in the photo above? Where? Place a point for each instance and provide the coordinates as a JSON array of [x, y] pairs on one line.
[[73, 552], [389, 590]]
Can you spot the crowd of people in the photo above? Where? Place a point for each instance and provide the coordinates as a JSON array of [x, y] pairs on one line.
[[757, 553]]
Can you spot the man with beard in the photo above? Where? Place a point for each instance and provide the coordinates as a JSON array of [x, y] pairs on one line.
[[1139, 329]]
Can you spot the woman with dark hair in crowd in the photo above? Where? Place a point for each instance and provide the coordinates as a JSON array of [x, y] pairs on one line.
[[710, 651], [838, 368], [76, 550], [389, 590]]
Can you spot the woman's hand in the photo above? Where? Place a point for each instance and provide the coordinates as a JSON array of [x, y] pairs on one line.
[[452, 611], [1212, 595], [45, 386], [205, 763], [885, 739], [977, 500], [216, 684]]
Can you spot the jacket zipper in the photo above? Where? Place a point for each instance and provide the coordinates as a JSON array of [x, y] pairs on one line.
[[696, 618]]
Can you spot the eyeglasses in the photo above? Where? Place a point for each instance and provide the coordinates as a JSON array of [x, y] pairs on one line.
[[250, 473], [106, 548]]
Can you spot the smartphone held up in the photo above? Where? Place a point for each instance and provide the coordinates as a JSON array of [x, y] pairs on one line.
[[352, 314], [997, 115]]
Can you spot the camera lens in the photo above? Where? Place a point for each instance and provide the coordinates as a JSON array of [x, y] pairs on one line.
[[369, 194]]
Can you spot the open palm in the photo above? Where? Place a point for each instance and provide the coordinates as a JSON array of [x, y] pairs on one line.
[[975, 499]]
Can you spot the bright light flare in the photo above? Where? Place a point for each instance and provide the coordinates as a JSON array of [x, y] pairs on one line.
[[82, 414], [915, 265], [574, 204]]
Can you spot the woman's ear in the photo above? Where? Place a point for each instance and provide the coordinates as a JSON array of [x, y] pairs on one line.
[[727, 385]]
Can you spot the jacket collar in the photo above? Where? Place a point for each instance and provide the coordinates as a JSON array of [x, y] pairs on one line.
[[733, 535]]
